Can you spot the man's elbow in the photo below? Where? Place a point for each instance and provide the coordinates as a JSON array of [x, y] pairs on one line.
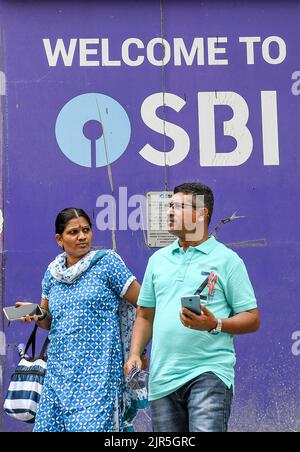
[[255, 324]]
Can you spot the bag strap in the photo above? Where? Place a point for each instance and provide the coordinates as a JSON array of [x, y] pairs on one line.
[[44, 348], [31, 342]]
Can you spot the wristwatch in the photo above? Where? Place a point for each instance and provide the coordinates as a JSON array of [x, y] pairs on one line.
[[218, 328]]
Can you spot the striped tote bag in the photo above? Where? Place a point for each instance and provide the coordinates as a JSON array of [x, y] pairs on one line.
[[26, 383]]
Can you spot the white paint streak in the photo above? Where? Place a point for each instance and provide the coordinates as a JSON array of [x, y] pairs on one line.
[[2, 84], [2, 344], [2, 354], [1, 221]]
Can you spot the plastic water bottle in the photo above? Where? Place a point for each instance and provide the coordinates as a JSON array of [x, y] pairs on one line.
[[137, 378]]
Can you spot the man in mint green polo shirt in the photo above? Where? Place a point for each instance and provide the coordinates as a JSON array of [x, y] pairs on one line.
[[192, 357]]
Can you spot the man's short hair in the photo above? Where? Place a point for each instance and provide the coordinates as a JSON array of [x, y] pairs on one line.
[[195, 188]]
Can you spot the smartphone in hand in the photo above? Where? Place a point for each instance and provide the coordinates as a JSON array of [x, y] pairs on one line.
[[192, 303], [16, 313]]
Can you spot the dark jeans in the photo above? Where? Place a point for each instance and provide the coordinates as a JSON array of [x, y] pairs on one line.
[[201, 405]]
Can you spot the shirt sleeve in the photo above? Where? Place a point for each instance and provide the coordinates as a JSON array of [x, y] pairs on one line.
[[119, 276], [239, 291], [147, 297], [47, 283]]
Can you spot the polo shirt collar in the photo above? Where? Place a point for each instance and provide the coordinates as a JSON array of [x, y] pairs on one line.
[[205, 247]]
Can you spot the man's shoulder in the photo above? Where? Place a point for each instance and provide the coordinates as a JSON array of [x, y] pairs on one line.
[[227, 254]]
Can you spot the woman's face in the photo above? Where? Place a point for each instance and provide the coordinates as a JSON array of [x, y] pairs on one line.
[[76, 239]]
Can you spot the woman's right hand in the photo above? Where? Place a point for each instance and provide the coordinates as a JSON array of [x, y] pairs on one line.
[[27, 319]]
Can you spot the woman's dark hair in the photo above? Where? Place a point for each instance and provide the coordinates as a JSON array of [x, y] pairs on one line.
[[68, 214]]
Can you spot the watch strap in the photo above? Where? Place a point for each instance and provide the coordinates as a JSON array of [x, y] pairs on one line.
[[218, 328]]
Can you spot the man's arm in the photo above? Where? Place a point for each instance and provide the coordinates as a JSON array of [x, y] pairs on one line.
[[243, 323], [141, 336]]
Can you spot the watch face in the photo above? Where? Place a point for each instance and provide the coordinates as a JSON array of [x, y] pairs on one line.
[[214, 332], [218, 328]]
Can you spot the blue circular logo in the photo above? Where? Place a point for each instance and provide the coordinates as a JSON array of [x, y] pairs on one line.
[[93, 130]]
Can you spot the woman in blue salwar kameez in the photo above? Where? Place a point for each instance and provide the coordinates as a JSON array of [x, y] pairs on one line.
[[88, 297]]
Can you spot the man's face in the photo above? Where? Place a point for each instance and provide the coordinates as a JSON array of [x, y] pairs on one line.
[[186, 217]]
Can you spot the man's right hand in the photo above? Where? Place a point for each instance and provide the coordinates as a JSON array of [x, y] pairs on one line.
[[133, 361]]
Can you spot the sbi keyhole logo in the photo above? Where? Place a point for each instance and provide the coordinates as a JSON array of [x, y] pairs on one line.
[[92, 130]]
